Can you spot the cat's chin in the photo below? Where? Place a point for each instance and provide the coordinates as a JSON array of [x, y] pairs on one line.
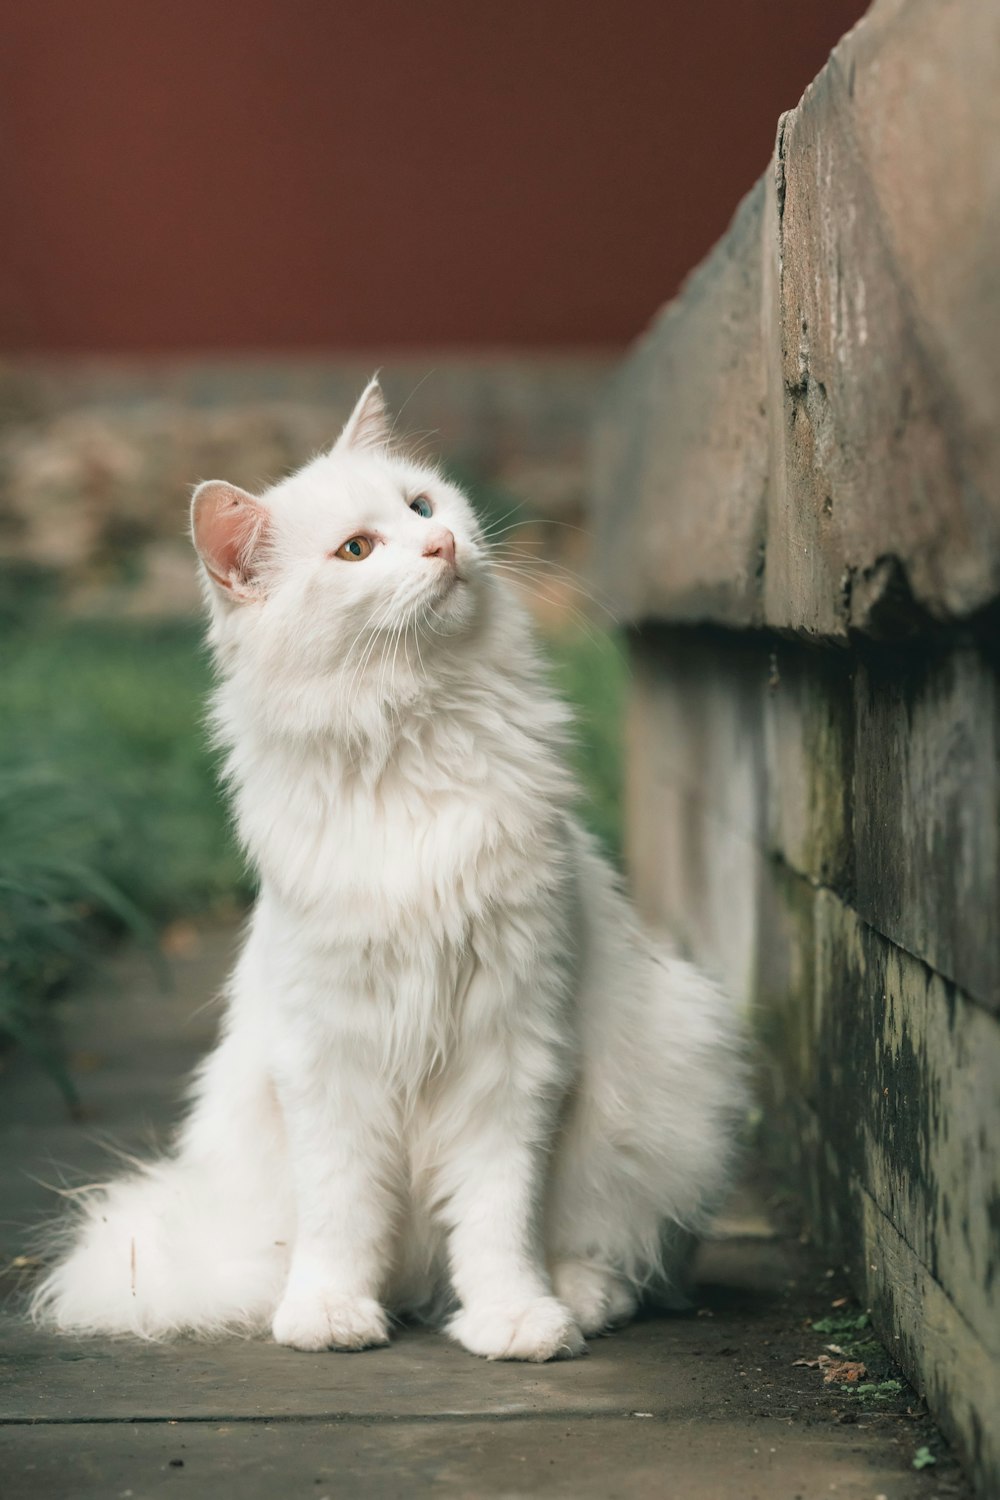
[[451, 607]]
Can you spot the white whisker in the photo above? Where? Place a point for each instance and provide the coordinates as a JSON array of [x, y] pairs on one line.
[[566, 575]]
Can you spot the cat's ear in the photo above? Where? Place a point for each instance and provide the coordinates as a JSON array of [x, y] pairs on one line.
[[229, 527], [369, 425]]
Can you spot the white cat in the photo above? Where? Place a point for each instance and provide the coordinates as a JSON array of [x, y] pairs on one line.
[[455, 1078]]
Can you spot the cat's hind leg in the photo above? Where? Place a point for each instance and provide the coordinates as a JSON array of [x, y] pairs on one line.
[[598, 1297], [646, 1144], [602, 1230]]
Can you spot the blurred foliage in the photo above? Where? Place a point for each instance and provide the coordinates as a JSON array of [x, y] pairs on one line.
[[55, 899], [110, 818], [591, 673], [114, 711], [27, 590]]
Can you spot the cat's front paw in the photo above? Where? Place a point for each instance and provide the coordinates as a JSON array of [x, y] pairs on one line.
[[316, 1320], [538, 1330]]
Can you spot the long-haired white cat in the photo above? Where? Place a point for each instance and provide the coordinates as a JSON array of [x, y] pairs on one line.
[[455, 1079]]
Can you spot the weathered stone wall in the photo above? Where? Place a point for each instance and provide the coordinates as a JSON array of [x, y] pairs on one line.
[[797, 502]]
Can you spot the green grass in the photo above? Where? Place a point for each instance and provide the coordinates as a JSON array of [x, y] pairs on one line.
[[591, 673], [110, 819], [56, 899], [113, 712], [843, 1323], [110, 814]]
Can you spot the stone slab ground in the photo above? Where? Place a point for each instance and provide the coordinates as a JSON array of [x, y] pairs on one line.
[[709, 1404]]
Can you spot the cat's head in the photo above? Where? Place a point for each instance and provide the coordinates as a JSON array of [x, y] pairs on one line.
[[361, 547]]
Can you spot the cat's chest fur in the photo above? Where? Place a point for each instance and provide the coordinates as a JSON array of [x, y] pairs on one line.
[[449, 834]]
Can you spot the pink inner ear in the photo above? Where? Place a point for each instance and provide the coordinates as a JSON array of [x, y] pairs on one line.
[[228, 526]]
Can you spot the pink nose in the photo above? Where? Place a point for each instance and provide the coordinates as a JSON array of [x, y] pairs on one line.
[[441, 543]]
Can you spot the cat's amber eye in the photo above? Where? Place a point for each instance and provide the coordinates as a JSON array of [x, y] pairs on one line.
[[355, 550], [422, 506]]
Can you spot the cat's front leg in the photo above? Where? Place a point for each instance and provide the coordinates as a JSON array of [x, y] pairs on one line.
[[338, 1119], [493, 1185]]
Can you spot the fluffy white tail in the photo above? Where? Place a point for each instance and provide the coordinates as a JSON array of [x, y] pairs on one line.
[[162, 1252], [197, 1242]]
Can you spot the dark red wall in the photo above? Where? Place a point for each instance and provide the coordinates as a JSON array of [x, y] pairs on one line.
[[194, 174]]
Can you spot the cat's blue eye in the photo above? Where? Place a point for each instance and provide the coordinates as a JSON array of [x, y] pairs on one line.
[[422, 506]]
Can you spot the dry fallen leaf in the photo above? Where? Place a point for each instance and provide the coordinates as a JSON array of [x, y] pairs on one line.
[[844, 1372], [819, 1363], [180, 940]]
